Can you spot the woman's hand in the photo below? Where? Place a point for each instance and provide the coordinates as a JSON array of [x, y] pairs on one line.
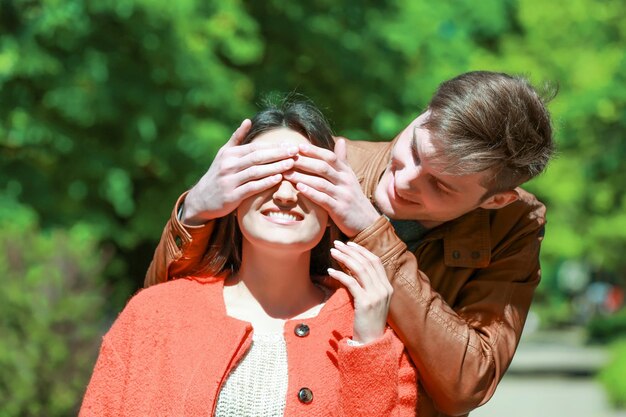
[[369, 286]]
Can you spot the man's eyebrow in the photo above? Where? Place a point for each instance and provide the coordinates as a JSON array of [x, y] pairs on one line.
[[416, 153]]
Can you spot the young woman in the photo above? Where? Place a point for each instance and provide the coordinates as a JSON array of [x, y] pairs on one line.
[[263, 330]]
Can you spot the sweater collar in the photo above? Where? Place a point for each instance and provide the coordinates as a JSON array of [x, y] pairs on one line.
[[339, 297]]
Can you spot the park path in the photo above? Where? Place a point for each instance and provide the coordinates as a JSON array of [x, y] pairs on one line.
[[552, 375]]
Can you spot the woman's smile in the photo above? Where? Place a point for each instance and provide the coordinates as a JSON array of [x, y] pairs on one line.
[[285, 217]]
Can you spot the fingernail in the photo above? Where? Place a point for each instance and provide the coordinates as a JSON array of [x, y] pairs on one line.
[[335, 251], [352, 243], [331, 270], [305, 147], [292, 150], [339, 243]]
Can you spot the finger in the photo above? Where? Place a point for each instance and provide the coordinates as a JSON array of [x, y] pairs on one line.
[[318, 153], [379, 275], [358, 269], [256, 172], [318, 167], [349, 282], [375, 260], [255, 187], [340, 150], [351, 251], [239, 134], [321, 199], [364, 252], [372, 277], [260, 152], [312, 181]]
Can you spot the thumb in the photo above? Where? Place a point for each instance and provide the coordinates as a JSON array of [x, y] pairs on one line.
[[240, 133], [340, 150]]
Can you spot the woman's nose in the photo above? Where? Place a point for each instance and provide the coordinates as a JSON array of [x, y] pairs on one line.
[[286, 192]]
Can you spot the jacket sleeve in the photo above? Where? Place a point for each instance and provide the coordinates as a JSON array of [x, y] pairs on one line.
[[461, 352], [180, 250], [377, 379]]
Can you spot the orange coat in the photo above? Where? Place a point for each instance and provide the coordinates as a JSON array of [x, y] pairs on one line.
[[173, 346]]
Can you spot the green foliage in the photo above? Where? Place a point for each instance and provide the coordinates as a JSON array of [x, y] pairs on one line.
[[51, 310], [553, 311], [612, 375], [607, 328], [109, 109]]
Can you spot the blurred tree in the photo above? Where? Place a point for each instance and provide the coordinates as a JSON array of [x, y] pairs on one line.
[[51, 313], [109, 109]]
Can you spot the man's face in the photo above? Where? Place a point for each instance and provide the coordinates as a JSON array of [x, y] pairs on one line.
[[412, 187]]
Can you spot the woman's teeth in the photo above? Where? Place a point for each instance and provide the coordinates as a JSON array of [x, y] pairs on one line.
[[282, 215]]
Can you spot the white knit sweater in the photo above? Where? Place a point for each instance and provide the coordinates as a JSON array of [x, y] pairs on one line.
[[258, 385]]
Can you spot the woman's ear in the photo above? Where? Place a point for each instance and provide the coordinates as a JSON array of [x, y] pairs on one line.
[[500, 200]]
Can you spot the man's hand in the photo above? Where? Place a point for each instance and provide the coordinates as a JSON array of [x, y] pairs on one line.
[[236, 173], [326, 179]]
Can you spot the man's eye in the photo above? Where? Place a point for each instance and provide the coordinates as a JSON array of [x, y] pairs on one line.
[[416, 156], [439, 187]]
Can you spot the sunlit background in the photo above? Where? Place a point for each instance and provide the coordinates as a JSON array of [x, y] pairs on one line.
[[111, 109]]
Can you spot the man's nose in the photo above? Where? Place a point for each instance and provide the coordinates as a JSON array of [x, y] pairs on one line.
[[408, 177], [286, 192]]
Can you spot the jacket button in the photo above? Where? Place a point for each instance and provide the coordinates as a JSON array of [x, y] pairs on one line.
[[305, 395], [456, 254], [178, 241], [301, 330]]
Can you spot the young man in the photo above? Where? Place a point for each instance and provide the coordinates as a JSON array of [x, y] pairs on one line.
[[440, 205]]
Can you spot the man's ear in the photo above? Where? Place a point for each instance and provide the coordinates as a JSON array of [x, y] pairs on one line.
[[500, 200]]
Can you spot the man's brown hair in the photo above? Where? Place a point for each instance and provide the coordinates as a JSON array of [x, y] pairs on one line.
[[491, 122]]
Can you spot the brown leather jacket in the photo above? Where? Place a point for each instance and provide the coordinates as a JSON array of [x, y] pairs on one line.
[[460, 301]]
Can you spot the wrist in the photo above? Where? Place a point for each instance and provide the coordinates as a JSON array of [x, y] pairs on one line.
[[367, 219], [364, 339], [354, 343], [188, 213]]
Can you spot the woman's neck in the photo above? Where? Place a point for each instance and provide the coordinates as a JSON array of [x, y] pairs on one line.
[[275, 283]]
